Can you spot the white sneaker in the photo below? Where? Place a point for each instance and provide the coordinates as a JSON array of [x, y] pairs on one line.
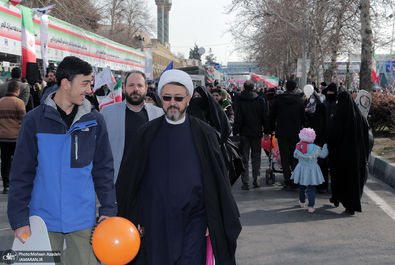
[[311, 209], [302, 204]]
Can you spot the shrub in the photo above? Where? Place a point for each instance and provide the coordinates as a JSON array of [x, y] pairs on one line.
[[382, 112]]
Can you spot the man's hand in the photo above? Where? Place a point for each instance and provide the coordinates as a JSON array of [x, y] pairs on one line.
[[207, 232], [101, 218], [23, 233], [140, 229]]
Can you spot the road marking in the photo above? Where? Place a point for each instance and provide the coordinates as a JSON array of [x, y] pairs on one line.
[[4, 229], [380, 202]]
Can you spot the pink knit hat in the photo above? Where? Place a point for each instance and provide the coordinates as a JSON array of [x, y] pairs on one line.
[[307, 135]]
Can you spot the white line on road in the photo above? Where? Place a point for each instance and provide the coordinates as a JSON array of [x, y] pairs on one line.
[[4, 229], [380, 202]]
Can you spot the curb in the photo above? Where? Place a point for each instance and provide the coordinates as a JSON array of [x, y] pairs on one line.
[[382, 169]]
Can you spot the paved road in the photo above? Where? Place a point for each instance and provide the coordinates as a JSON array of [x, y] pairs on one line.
[[277, 231]]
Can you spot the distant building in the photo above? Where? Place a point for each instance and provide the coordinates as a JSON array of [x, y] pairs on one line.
[[241, 68]]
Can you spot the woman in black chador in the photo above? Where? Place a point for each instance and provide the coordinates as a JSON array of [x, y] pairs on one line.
[[348, 144], [206, 108]]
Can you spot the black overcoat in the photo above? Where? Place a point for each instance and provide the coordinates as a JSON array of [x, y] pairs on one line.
[[222, 212]]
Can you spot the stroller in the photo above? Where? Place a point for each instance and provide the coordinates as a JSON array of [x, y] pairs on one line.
[[273, 153]]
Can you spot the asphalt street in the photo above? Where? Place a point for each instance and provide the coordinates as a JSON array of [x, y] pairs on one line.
[[277, 231]]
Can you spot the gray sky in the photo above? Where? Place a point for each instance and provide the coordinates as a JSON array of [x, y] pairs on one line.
[[203, 22]]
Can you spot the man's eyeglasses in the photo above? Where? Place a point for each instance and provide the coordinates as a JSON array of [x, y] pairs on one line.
[[176, 98]]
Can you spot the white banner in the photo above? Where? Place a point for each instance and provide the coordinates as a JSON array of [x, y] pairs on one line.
[[105, 77], [65, 39], [44, 41]]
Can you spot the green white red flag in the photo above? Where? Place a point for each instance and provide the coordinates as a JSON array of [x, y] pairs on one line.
[[15, 2], [28, 39], [270, 81], [114, 96]]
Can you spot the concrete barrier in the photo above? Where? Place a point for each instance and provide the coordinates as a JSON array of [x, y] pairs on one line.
[[382, 169]]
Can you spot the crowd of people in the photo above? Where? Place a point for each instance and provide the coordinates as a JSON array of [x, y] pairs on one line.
[[166, 157]]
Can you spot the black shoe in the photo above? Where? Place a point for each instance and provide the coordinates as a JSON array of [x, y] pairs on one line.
[[287, 188], [350, 212], [256, 185], [245, 187], [5, 190], [335, 202]]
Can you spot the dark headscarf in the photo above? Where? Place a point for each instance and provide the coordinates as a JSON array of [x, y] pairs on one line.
[[155, 98], [207, 109], [348, 153]]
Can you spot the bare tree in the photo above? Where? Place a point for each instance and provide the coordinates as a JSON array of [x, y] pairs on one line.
[[274, 33], [137, 17], [80, 13], [114, 14], [366, 50], [128, 21]]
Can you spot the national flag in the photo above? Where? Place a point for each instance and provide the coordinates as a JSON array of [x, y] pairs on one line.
[[15, 2], [169, 67], [44, 10], [28, 39], [114, 96], [270, 81]]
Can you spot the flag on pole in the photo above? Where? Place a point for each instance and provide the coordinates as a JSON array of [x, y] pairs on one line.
[[169, 67], [28, 40], [43, 10], [44, 41], [114, 96], [270, 81]]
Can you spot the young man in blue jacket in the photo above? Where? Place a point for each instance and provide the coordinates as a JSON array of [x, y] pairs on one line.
[[62, 161]]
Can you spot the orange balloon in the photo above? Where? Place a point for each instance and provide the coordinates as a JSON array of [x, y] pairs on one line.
[[116, 241]]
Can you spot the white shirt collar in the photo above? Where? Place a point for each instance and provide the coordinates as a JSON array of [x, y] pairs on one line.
[[175, 122]]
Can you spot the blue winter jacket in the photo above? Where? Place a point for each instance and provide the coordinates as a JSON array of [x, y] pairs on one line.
[[57, 172]]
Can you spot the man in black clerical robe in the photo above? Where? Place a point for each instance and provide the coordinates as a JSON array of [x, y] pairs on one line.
[[174, 185]]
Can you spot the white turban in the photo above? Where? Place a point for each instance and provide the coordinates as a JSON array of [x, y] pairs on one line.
[[176, 76], [308, 90]]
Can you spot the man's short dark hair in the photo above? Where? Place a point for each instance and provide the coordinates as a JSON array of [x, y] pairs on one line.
[[13, 86], [16, 73], [323, 84], [249, 85], [135, 72], [71, 66], [290, 85], [216, 90]]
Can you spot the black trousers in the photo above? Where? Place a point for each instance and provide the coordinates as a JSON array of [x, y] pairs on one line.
[[250, 145], [7, 152], [287, 147]]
